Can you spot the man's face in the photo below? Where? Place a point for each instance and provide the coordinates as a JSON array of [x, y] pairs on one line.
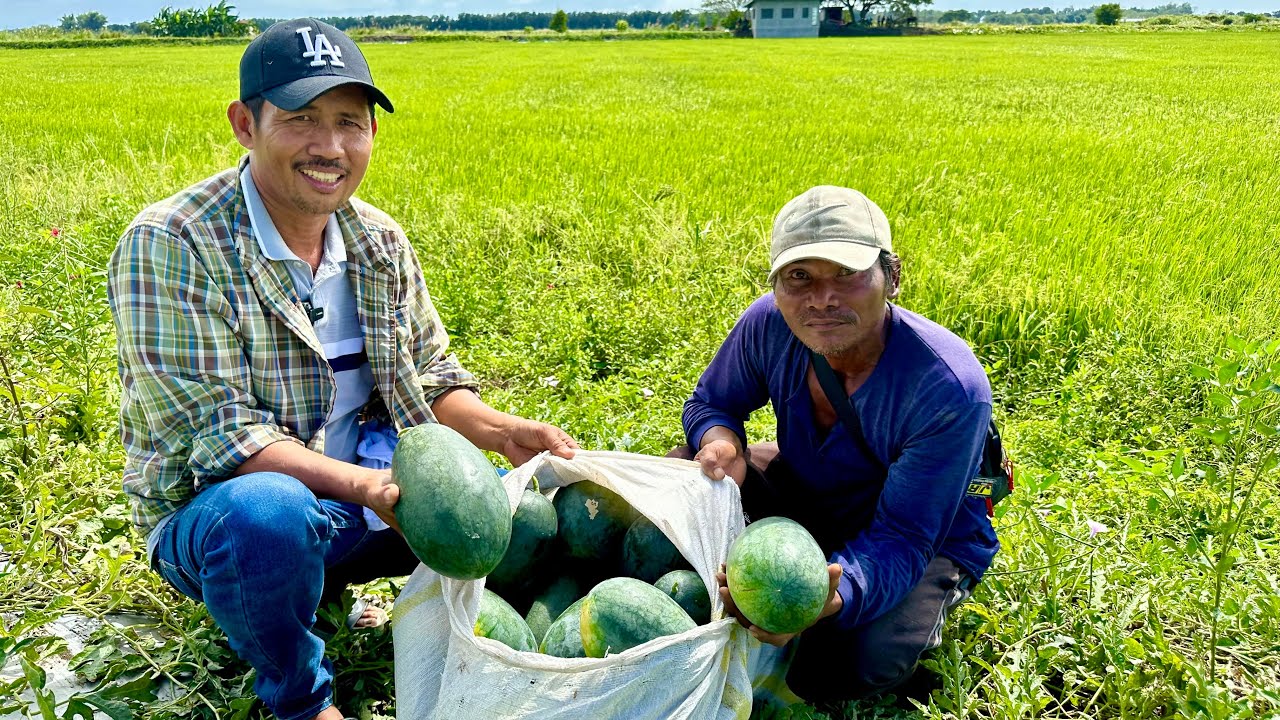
[[311, 160], [831, 308]]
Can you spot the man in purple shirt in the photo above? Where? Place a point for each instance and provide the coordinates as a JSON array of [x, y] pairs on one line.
[[886, 501]]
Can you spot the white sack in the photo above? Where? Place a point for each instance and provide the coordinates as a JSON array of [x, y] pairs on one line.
[[444, 671]]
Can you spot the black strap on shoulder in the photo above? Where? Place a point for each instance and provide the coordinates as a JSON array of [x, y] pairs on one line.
[[843, 404], [994, 480]]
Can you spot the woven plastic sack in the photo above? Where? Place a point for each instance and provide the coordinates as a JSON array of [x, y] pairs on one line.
[[444, 671]]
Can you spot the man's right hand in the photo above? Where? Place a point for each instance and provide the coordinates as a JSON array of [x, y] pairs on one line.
[[721, 458]]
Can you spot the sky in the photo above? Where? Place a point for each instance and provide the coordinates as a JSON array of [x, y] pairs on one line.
[[25, 13]]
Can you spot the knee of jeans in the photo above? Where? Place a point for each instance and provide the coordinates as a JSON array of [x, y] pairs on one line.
[[274, 510]]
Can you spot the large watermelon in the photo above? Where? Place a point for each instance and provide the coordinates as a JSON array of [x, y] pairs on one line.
[[551, 602], [533, 533], [647, 553], [453, 509], [564, 637], [593, 521], [689, 592], [621, 613], [499, 621], [778, 575]]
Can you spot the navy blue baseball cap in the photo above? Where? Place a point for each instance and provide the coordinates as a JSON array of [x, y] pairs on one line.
[[295, 61]]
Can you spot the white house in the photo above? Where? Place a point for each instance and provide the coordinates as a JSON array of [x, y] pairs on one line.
[[784, 18]]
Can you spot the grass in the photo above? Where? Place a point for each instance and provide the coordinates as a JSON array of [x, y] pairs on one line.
[[1094, 213]]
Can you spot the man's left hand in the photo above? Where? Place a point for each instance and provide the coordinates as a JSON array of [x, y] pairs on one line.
[[381, 495], [833, 606], [526, 438]]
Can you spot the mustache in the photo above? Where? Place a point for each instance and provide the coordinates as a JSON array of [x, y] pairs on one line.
[[842, 316], [318, 164]]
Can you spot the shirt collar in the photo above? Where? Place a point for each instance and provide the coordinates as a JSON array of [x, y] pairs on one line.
[[269, 239]]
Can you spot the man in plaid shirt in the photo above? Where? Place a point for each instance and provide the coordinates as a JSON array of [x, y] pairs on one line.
[[261, 314]]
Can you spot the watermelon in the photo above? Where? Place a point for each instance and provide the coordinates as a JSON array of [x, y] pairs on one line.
[[533, 533], [778, 575], [564, 637], [453, 510], [647, 553], [689, 592], [593, 521], [551, 602], [621, 613], [499, 621]]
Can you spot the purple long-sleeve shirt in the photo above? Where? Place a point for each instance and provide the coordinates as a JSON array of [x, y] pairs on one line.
[[924, 412]]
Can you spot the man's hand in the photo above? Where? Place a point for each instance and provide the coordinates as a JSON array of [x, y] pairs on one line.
[[526, 438], [722, 458], [833, 606], [515, 437], [381, 495]]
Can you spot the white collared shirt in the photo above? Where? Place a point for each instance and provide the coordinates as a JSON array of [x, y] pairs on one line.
[[339, 331]]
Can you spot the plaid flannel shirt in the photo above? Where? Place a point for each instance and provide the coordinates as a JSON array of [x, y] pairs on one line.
[[216, 352]]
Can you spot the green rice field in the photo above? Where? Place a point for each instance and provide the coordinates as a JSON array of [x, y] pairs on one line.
[[1096, 214]]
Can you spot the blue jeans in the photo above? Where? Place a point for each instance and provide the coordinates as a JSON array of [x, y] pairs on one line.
[[262, 553]]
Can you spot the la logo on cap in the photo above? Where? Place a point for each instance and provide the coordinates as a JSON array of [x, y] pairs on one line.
[[319, 48]]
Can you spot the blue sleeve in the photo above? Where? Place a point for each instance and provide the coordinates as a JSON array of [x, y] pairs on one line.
[[921, 496], [733, 385]]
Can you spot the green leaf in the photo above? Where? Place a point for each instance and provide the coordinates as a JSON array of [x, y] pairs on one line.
[[1236, 343], [76, 708], [1219, 400], [1219, 437], [36, 310], [36, 679], [114, 708], [1179, 465], [1201, 373], [1227, 372], [1135, 465], [1259, 383], [1268, 463], [1225, 563], [35, 673], [142, 688]]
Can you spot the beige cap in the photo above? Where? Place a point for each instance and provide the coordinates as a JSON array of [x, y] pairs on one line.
[[829, 223]]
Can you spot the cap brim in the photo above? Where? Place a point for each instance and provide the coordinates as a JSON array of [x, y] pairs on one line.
[[297, 94], [855, 256]]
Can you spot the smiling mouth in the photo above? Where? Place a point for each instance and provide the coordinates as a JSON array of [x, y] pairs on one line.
[[322, 179]]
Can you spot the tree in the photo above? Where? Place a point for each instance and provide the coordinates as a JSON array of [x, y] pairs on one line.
[[94, 21], [955, 16], [1107, 14], [722, 7], [679, 18], [560, 21], [860, 10]]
